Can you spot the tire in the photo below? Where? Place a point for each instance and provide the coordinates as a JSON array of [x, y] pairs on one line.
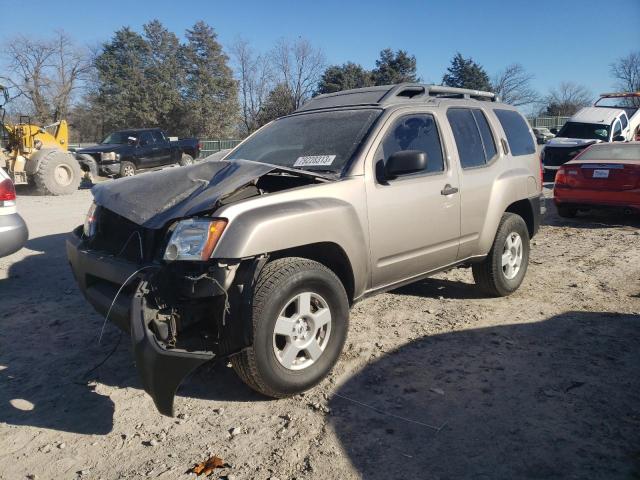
[[127, 169], [262, 365], [186, 160], [58, 173], [88, 164], [567, 212], [492, 275]]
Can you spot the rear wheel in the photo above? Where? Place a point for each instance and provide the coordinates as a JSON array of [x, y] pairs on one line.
[[502, 271], [300, 316], [567, 212], [58, 174], [127, 169], [186, 160]]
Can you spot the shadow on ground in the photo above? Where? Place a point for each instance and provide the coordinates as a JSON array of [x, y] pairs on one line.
[[49, 341], [553, 399]]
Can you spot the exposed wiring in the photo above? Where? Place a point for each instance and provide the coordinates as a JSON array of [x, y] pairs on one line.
[[135, 232], [227, 305], [116, 297]]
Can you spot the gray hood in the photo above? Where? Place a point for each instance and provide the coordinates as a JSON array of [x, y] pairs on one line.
[[153, 199]]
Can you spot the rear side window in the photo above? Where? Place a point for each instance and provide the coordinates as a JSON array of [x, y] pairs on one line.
[[415, 132], [473, 136], [517, 130]]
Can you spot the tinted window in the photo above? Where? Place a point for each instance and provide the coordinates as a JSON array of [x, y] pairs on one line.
[[485, 133], [624, 120], [468, 140], [157, 136], [517, 130], [415, 132], [146, 138], [617, 129]]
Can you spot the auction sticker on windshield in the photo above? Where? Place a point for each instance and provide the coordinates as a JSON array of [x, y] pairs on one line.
[[601, 174], [314, 161]]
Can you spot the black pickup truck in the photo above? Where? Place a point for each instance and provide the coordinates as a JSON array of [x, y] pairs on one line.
[[124, 152]]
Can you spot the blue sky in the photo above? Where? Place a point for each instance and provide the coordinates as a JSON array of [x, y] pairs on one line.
[[556, 40]]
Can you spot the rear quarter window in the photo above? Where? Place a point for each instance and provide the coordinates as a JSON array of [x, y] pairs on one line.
[[517, 130]]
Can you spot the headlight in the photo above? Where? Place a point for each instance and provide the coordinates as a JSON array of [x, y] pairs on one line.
[[194, 239], [90, 223], [109, 156]]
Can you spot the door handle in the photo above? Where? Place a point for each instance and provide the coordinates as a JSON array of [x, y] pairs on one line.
[[448, 190]]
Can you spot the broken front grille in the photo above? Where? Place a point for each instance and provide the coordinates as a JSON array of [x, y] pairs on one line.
[[123, 238]]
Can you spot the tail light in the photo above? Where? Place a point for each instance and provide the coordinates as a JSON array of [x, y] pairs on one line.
[[7, 193], [561, 177], [199, 145]]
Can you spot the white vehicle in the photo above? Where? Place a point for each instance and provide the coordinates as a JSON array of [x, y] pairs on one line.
[[13, 230], [614, 117]]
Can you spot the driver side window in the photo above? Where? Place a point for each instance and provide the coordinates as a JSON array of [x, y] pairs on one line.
[[414, 132], [146, 139], [617, 129]]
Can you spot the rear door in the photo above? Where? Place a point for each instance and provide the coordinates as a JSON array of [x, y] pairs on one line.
[[414, 220], [146, 150], [477, 154], [162, 149]]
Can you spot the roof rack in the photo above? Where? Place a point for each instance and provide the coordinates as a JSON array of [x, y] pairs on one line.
[[388, 94]]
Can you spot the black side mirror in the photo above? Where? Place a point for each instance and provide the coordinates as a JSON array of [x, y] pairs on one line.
[[554, 131], [619, 138], [405, 162]]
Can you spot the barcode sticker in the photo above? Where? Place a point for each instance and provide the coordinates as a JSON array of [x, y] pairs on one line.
[[314, 161]]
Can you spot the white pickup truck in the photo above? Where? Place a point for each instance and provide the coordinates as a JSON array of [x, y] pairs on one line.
[[614, 117]]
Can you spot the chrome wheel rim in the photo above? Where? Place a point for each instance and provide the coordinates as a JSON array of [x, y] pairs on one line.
[[63, 175], [302, 331], [512, 255], [128, 171]]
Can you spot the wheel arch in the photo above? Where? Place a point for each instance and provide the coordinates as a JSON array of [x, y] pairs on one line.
[[331, 255], [524, 209]]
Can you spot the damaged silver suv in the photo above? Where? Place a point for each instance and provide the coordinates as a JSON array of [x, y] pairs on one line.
[[258, 257]]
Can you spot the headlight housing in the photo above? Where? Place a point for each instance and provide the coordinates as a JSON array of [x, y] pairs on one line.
[[90, 223], [194, 239], [109, 156]]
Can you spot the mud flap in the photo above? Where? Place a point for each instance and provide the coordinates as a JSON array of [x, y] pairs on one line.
[[161, 371]]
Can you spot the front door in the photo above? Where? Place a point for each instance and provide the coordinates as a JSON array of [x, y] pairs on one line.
[[414, 220]]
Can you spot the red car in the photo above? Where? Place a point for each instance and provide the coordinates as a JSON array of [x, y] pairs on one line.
[[603, 175]]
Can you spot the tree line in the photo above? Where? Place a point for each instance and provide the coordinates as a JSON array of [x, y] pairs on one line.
[[192, 87]]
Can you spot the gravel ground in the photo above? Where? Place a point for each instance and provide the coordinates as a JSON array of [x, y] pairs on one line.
[[436, 381]]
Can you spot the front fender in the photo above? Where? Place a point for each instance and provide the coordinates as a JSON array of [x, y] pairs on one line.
[[296, 223]]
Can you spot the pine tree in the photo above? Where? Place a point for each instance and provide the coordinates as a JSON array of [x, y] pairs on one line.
[[344, 77], [210, 89], [465, 73], [394, 68]]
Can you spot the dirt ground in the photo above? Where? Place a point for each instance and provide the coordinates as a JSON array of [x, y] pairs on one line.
[[436, 381]]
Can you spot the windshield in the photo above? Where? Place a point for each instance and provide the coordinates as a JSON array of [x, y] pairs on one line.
[[613, 151], [118, 138], [588, 131], [321, 141]]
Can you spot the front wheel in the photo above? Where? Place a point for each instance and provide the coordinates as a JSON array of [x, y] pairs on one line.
[[502, 271], [127, 169], [300, 317], [58, 174]]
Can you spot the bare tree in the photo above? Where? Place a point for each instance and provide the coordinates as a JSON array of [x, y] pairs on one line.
[[567, 99], [299, 66], [626, 71], [71, 66], [255, 81], [45, 72], [513, 85]]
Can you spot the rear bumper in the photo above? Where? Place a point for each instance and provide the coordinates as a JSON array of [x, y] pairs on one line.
[[13, 233], [539, 209], [595, 198]]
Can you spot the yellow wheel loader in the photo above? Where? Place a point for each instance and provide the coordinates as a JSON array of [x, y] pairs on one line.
[[33, 154]]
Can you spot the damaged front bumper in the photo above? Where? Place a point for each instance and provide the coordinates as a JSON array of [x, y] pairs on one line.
[[121, 289], [161, 370]]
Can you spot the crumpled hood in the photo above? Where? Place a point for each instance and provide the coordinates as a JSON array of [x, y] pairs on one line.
[[570, 142], [153, 199]]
